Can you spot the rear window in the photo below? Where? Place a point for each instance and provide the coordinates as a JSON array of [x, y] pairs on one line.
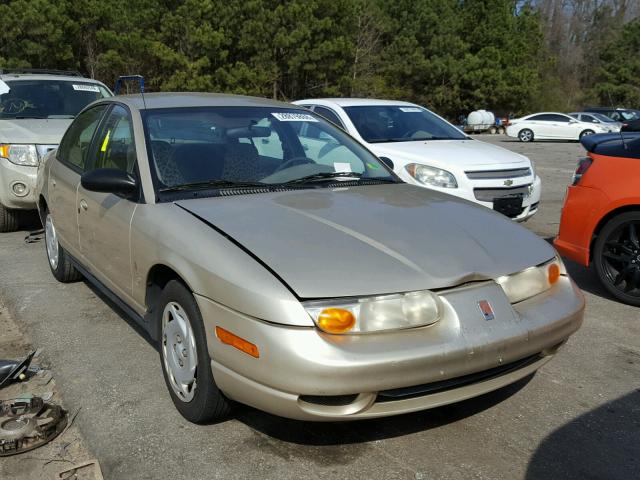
[[48, 98]]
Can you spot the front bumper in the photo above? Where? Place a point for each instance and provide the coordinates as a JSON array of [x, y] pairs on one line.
[[303, 362], [466, 190], [10, 174]]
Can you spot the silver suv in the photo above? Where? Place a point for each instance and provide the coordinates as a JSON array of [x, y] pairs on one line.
[[36, 107]]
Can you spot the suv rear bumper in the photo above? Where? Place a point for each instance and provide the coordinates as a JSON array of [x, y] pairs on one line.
[[11, 175]]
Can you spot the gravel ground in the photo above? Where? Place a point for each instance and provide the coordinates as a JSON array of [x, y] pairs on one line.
[[579, 417]]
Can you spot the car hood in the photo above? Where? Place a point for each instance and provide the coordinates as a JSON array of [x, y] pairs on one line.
[[371, 240], [32, 130], [464, 153]]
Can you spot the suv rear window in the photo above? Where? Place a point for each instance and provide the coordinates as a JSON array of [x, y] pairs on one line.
[[48, 98]]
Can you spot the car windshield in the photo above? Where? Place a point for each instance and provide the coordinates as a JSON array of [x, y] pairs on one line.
[[48, 98], [602, 117], [629, 115], [390, 123], [199, 148]]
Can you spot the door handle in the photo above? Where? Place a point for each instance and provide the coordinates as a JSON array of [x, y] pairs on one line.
[[83, 205], [53, 183]]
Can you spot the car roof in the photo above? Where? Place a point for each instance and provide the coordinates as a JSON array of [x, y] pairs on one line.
[[194, 99], [548, 113], [609, 109], [354, 102], [43, 76]]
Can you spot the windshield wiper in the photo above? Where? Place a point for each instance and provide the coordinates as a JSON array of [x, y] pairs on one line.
[[212, 184], [322, 176]]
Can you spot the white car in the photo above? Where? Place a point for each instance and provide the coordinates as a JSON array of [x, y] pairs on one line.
[[554, 126], [426, 150]]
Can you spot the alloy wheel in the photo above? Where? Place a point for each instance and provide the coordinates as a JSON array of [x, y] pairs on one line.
[[621, 259], [51, 240], [179, 353], [525, 135]]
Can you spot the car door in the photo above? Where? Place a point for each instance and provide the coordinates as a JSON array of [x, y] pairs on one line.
[[566, 128], [104, 219], [537, 125], [64, 176]]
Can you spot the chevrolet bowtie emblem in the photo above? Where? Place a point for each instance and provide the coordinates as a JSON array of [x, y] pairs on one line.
[[508, 183]]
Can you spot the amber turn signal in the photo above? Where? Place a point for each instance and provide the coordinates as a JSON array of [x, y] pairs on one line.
[[336, 320], [235, 341], [553, 273]]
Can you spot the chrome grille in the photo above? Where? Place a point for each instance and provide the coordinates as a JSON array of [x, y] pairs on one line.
[[498, 174], [489, 194]]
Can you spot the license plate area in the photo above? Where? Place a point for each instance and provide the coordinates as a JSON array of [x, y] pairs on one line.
[[466, 303], [510, 206]]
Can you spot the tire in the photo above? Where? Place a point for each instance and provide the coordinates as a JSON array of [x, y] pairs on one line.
[[202, 401], [501, 131], [616, 257], [493, 130], [585, 133], [58, 258], [525, 135], [9, 219]]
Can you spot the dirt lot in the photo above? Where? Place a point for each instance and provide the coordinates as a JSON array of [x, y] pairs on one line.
[[579, 417]]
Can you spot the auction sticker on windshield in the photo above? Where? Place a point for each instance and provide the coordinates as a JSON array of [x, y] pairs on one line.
[[86, 88], [294, 117]]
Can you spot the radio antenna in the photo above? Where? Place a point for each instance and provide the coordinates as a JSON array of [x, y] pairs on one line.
[[124, 78]]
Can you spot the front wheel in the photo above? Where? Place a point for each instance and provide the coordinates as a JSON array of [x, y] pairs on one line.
[[186, 364], [616, 256], [585, 133], [9, 219], [59, 262], [525, 135]]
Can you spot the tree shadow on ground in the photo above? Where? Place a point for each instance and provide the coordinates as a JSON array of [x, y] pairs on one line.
[[339, 433], [602, 443]]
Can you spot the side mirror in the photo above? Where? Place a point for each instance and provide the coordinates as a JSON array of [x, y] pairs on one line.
[[387, 161], [109, 180]]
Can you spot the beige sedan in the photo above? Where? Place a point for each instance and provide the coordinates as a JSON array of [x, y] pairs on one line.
[[307, 282]]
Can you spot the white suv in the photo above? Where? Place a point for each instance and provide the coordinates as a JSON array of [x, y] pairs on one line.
[[426, 150], [36, 107]]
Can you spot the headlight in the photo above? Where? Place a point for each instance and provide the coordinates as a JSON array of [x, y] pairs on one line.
[[375, 314], [431, 176], [533, 169], [26, 155], [532, 281]]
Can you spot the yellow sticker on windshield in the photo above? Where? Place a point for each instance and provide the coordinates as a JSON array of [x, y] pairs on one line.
[[105, 142]]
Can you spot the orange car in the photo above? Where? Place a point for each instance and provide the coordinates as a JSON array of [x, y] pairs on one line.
[[601, 215]]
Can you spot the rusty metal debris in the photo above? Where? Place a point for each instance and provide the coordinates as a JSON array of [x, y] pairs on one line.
[[29, 423], [34, 237], [14, 370], [72, 473]]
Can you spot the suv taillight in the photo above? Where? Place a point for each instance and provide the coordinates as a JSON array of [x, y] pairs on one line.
[[583, 166]]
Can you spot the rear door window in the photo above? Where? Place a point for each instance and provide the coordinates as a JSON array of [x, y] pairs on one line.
[[329, 115], [76, 143]]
